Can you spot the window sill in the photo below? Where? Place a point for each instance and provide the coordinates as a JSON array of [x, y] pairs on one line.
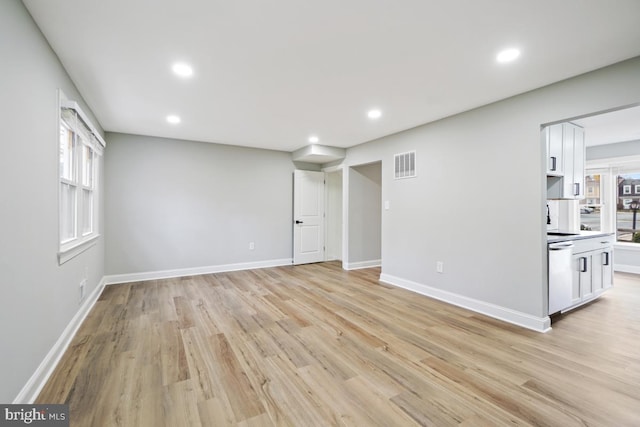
[[76, 248]]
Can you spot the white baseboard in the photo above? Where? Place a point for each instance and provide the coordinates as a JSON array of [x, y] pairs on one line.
[[184, 272], [362, 264], [627, 268], [32, 388], [539, 324]]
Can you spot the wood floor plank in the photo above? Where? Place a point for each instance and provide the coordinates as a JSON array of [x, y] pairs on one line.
[[316, 345], [201, 366], [181, 405], [173, 363], [244, 401]]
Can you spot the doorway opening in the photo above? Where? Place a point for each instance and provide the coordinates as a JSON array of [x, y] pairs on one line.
[[364, 236]]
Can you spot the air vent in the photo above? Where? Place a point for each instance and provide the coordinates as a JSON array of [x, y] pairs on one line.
[[405, 165]]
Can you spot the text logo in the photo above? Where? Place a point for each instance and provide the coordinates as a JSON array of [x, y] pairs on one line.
[[34, 415]]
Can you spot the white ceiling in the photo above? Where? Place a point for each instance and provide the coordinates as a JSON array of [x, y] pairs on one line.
[[271, 73]]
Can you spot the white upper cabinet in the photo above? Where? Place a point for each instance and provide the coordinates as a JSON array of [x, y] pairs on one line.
[[566, 160]]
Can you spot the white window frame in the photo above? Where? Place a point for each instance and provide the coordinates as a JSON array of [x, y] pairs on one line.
[[605, 221], [85, 139], [637, 191], [610, 194], [626, 189]]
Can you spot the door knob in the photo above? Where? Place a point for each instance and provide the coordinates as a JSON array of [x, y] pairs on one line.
[[299, 222]]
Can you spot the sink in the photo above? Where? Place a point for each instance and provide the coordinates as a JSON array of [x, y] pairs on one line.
[[559, 233]]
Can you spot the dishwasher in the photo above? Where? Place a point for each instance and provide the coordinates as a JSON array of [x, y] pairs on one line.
[[560, 276]]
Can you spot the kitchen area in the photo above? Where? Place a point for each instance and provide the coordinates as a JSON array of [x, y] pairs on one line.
[[580, 261]]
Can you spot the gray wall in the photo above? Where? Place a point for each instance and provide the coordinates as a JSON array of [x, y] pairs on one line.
[[478, 201], [619, 149], [365, 206], [180, 204], [334, 216], [39, 297]]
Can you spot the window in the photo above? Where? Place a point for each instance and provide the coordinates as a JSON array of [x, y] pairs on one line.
[[637, 190], [627, 223], [591, 206], [79, 146]]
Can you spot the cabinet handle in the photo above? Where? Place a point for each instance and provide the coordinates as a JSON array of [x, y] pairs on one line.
[[576, 189], [553, 163], [606, 258], [583, 264]]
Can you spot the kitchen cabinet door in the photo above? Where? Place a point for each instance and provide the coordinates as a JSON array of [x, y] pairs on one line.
[[586, 276], [567, 138], [582, 284], [574, 160], [576, 267], [555, 150], [607, 268], [579, 153], [596, 273]]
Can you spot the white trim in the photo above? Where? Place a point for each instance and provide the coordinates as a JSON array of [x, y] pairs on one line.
[[627, 246], [195, 271], [77, 248], [538, 324], [362, 264], [332, 169], [73, 105], [626, 268], [80, 242], [32, 388]]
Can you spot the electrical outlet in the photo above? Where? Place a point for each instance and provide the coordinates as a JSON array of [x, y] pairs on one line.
[[440, 267], [83, 285], [252, 246]]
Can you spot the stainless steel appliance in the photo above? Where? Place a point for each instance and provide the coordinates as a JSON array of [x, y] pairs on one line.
[[560, 276]]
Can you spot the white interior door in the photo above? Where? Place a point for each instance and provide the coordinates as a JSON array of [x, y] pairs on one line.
[[308, 217]]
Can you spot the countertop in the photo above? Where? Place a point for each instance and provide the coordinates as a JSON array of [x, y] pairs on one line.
[[582, 235]]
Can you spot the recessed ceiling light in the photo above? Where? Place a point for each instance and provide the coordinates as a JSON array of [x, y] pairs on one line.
[[374, 114], [507, 55], [174, 120], [182, 69], [313, 139]]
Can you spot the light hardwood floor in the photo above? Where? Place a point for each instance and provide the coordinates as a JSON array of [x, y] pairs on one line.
[[315, 345]]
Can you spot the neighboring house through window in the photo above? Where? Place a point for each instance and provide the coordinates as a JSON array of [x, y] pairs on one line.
[[627, 225]]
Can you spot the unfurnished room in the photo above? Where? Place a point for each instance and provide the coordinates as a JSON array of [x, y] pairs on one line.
[[294, 213]]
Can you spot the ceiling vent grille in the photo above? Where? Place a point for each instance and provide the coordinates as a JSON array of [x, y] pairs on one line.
[[405, 165]]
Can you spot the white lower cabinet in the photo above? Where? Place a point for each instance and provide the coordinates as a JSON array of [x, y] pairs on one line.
[[591, 263]]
